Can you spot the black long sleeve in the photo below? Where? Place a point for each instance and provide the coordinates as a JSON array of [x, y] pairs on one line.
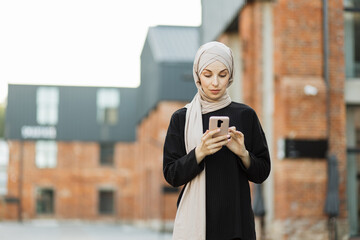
[[179, 167], [229, 213], [260, 166]]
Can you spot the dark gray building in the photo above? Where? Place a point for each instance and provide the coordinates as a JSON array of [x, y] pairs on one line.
[[219, 17], [68, 113], [166, 66]]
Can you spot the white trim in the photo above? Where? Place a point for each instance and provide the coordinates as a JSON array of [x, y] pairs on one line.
[[352, 91], [268, 100], [235, 90]]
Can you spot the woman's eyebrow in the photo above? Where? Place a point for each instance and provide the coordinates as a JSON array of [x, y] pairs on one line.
[[225, 69]]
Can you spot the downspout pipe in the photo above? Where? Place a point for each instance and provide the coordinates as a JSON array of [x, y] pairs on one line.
[[326, 69], [332, 225]]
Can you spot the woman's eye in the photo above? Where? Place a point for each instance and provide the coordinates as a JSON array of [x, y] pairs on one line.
[[207, 75], [223, 75]]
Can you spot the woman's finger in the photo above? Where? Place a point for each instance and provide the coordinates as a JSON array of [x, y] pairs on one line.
[[233, 127], [232, 130], [237, 133], [233, 135], [217, 139], [205, 136], [216, 146], [212, 132]]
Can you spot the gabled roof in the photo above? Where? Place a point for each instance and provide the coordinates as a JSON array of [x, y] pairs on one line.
[[173, 43], [166, 66], [219, 17], [76, 114]]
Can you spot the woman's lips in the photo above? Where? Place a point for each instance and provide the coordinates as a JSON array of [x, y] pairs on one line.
[[214, 91]]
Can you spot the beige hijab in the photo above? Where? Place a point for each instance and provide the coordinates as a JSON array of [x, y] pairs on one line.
[[191, 214]]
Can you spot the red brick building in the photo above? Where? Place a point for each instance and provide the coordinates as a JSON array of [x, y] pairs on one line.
[[166, 85], [280, 63], [280, 71], [281, 53], [95, 153], [69, 158]]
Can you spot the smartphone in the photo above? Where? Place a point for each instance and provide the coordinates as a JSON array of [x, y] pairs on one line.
[[221, 122]]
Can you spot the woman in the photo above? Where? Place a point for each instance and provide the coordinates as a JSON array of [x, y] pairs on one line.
[[215, 202]]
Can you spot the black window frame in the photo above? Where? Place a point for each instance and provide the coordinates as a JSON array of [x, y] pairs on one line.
[[43, 208], [106, 197], [106, 152]]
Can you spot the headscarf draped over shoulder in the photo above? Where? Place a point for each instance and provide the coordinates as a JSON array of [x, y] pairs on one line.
[[191, 214]]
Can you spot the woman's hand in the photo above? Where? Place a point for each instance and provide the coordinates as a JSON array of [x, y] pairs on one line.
[[210, 145], [237, 146]]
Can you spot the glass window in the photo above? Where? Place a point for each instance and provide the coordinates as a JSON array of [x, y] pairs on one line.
[[4, 159], [47, 100], [107, 154], [352, 38], [3, 182], [106, 201], [45, 201], [4, 154], [107, 101], [352, 3], [46, 154]]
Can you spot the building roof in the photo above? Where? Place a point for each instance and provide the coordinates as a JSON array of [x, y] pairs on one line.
[[218, 16], [173, 43], [77, 115], [166, 66]]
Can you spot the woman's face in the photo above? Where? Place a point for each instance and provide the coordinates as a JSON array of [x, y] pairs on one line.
[[214, 80]]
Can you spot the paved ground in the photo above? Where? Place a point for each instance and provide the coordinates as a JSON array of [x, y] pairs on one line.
[[54, 230]]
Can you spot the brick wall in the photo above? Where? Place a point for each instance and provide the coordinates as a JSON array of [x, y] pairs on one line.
[[154, 205], [136, 176], [250, 25], [76, 180], [299, 184]]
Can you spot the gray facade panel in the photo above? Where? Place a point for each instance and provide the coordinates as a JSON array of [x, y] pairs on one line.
[[174, 43], [166, 67], [217, 15], [77, 114], [149, 89], [19, 111], [182, 86]]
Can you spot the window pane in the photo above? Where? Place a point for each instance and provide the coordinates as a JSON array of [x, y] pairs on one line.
[[111, 116], [106, 201], [108, 101], [46, 154], [352, 3], [4, 154], [108, 97], [3, 182], [45, 201], [107, 154], [47, 99], [352, 44]]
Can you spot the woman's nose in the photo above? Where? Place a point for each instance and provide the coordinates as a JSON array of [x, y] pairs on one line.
[[215, 81]]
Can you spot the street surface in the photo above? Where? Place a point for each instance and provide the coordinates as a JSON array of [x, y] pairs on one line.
[[75, 230]]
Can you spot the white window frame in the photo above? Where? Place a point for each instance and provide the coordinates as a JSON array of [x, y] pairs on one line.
[[46, 154], [107, 102], [352, 68], [47, 101], [4, 162]]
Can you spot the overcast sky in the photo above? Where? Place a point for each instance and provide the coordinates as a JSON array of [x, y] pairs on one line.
[[81, 42]]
